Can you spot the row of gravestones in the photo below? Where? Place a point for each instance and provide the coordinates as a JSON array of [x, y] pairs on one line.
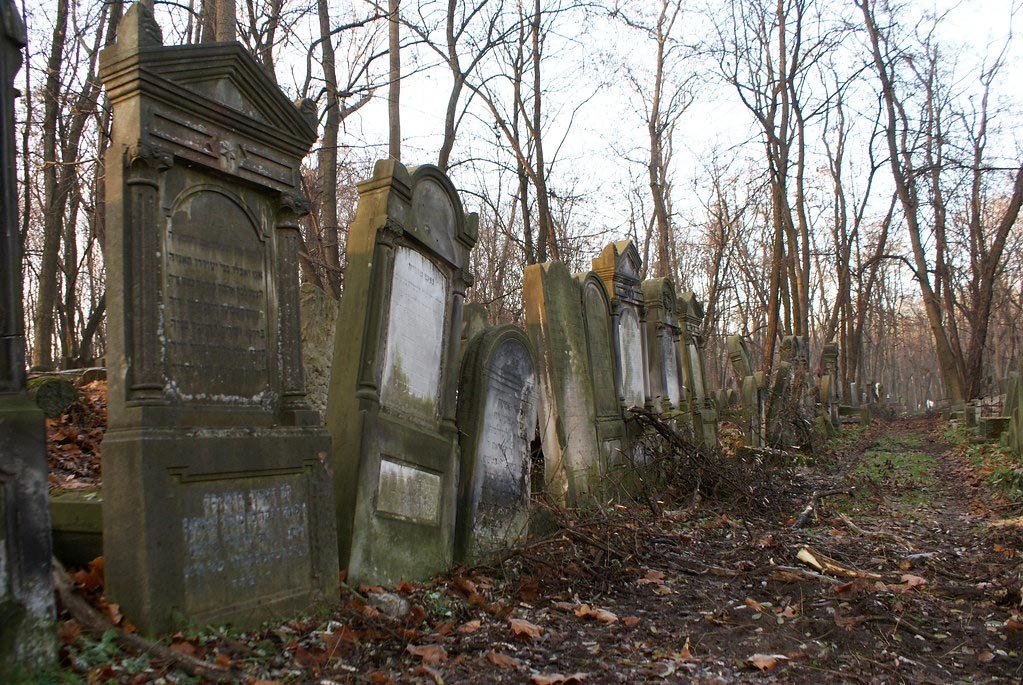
[[779, 413], [224, 498], [610, 344]]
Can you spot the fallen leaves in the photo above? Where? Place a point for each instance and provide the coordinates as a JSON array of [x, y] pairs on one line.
[[430, 654], [765, 662], [602, 615], [502, 660], [522, 627]]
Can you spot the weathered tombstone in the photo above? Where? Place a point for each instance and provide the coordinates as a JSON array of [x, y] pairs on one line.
[[27, 643], [612, 439], [752, 395], [496, 424], [474, 322], [217, 501], [619, 266], [854, 393], [391, 408], [829, 395], [664, 367], [319, 316], [557, 330], [705, 419]]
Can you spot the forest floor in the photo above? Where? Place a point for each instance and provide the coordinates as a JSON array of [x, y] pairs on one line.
[[908, 569]]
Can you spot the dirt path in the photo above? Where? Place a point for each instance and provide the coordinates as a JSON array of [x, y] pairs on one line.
[[915, 587]]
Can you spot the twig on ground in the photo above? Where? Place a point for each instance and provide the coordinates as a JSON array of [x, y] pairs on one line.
[[97, 625], [875, 533], [815, 498]]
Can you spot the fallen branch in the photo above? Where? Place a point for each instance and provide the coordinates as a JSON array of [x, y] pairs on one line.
[[826, 564], [815, 498], [97, 625], [875, 533]]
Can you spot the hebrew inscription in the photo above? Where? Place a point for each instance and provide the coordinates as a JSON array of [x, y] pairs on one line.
[[248, 537], [215, 304], [415, 337]]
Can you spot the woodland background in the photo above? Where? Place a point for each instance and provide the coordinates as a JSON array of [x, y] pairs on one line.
[[848, 171]]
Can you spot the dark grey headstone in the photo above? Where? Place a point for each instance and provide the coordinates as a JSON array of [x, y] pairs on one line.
[[496, 421], [217, 499], [27, 642]]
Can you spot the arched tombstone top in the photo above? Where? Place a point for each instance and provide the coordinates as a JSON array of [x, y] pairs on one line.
[[423, 204], [603, 361], [691, 310], [660, 301], [738, 353], [590, 284], [620, 267], [793, 349]]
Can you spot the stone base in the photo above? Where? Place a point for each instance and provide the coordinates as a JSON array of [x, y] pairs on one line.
[[77, 520], [992, 427], [27, 634], [217, 526]]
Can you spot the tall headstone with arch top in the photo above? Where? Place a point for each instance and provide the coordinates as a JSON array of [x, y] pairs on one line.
[[27, 640], [619, 266], [218, 504], [701, 405], [391, 407], [751, 390]]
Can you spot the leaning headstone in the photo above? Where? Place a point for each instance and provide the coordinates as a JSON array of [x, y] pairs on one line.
[[557, 330], [751, 399], [319, 316], [391, 408], [612, 438], [217, 503], [27, 643], [496, 424], [705, 419], [619, 266], [664, 368]]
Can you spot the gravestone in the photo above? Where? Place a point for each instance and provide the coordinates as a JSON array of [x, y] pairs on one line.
[[27, 643], [217, 501], [474, 322], [705, 418], [829, 395], [391, 408], [496, 423], [566, 412], [612, 437], [319, 316], [664, 365], [781, 407], [619, 266], [751, 396]]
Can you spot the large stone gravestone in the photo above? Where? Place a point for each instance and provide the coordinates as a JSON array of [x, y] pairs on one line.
[[26, 590], [610, 426], [664, 367], [496, 424], [619, 266], [391, 408], [557, 330], [217, 500], [705, 418], [751, 390]]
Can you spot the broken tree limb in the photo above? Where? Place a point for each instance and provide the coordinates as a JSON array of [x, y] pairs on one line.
[[97, 625], [875, 533], [815, 498], [826, 564]]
